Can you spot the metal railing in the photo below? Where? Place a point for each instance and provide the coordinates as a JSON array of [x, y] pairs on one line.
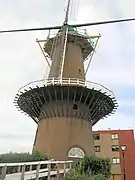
[[67, 81], [25, 170]]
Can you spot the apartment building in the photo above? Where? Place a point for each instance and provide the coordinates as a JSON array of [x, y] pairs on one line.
[[109, 143]]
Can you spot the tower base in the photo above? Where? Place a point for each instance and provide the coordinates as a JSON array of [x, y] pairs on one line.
[[56, 136], [65, 110]]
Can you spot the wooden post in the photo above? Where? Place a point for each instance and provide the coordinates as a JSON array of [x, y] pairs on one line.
[[49, 171], [65, 166], [3, 173], [30, 168], [13, 169], [70, 165], [23, 172], [37, 172], [19, 169], [58, 171]]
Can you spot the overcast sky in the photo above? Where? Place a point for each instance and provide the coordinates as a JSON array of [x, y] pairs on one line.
[[22, 62]]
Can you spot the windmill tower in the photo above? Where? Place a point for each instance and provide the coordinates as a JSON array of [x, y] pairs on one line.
[[65, 106]]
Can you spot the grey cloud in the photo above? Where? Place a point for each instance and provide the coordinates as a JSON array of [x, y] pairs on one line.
[[46, 12], [16, 137]]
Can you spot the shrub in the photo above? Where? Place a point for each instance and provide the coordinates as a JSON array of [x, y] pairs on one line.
[[74, 175], [98, 177], [94, 165]]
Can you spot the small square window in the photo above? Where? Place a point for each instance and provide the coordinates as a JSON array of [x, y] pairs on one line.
[[116, 160], [115, 148], [96, 136], [114, 136], [75, 107], [97, 148], [80, 72]]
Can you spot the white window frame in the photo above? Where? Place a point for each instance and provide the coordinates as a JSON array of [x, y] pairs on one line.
[[116, 160], [114, 136], [76, 152]]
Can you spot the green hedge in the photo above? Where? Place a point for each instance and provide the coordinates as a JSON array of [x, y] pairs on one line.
[[90, 168], [74, 175], [94, 165], [22, 157]]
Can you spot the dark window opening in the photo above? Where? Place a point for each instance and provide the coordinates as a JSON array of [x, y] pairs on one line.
[[80, 72], [96, 136], [97, 148], [115, 148], [75, 107]]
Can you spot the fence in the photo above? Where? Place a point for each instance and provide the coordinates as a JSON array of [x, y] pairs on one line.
[[34, 170]]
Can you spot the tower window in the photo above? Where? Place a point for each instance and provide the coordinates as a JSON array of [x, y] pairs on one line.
[[75, 107], [80, 72], [76, 153]]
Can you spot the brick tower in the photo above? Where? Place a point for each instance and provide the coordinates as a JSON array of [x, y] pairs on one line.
[[65, 106]]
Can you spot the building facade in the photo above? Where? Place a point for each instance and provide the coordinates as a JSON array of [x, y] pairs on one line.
[[108, 144]]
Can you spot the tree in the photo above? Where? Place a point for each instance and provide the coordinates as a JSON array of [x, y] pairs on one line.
[[22, 157]]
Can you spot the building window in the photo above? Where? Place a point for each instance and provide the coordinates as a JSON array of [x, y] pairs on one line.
[[116, 160], [76, 152], [75, 107], [114, 136], [96, 136], [97, 148], [80, 72], [115, 148]]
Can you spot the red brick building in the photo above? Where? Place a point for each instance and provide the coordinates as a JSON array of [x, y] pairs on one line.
[[108, 143]]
